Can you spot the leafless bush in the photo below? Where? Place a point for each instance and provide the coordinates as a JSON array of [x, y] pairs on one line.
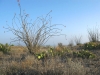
[[78, 40], [35, 34], [60, 45], [93, 35], [71, 43]]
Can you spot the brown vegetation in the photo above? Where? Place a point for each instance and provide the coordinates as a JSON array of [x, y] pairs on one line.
[[20, 62]]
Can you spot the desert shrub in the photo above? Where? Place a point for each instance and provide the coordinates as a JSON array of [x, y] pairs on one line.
[[60, 45], [71, 43], [93, 35], [78, 40], [33, 34], [92, 45], [84, 54], [5, 48]]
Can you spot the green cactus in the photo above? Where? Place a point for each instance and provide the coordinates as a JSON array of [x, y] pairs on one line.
[[5, 48], [92, 45], [84, 54], [41, 55]]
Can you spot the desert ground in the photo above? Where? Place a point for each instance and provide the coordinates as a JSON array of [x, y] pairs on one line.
[[18, 61]]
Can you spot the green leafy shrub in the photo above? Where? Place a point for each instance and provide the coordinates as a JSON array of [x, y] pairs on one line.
[[84, 54], [92, 45], [5, 48]]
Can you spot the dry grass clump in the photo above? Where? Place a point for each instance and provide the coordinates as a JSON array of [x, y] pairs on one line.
[[33, 66], [77, 68]]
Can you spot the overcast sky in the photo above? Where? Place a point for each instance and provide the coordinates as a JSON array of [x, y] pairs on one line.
[[76, 15]]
